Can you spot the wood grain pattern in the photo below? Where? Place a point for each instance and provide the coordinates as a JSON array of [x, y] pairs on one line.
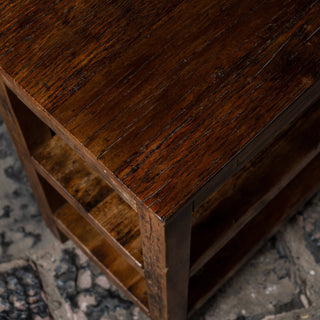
[[166, 253], [91, 196], [249, 239], [122, 223], [244, 195], [103, 254], [166, 100], [72, 173], [163, 94]]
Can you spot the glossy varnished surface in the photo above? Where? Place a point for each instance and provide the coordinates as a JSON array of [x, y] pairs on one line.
[[162, 93]]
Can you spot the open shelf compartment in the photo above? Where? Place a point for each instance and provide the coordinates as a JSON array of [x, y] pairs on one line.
[[93, 198], [242, 197], [229, 259], [81, 186], [71, 223]]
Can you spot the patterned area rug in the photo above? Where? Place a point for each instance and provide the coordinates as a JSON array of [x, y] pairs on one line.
[[21, 292]]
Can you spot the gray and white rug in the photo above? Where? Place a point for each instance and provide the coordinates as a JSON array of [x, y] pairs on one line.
[[43, 279]]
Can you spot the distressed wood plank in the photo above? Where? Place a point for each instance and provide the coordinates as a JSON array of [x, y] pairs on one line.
[[245, 194], [144, 87], [166, 254], [166, 100]]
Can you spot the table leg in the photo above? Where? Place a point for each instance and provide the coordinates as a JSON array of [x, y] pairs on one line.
[[166, 253]]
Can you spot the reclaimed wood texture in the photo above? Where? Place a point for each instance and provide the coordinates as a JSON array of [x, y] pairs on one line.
[[245, 194], [91, 196], [131, 282], [163, 94], [166, 253], [229, 259], [62, 163]]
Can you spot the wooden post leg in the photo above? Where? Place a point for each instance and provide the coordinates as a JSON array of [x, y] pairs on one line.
[[17, 137], [166, 253]]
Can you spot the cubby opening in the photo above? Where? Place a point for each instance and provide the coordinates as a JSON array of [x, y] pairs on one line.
[[243, 196], [237, 250], [80, 185], [75, 227], [84, 207]]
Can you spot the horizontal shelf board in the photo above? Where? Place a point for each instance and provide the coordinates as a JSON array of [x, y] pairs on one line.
[[91, 196], [103, 254], [67, 168], [243, 196], [122, 226], [203, 284]]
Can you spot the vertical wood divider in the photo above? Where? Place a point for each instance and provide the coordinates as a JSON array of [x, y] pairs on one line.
[[18, 139], [166, 254]]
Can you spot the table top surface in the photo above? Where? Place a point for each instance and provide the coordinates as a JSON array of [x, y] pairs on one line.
[[164, 94]]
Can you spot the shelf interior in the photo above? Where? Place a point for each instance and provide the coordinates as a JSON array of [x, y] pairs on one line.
[[244, 195], [97, 248], [81, 186], [208, 279], [91, 195], [85, 209], [224, 233]]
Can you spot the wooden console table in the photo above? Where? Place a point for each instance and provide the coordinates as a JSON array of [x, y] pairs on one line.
[[167, 139]]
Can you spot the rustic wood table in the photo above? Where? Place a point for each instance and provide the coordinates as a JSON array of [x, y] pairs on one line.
[[168, 139]]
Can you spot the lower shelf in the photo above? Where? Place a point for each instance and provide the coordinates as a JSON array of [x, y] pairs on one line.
[[243, 196], [105, 256], [227, 261]]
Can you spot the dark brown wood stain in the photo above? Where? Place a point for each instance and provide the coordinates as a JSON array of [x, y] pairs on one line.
[[103, 254], [245, 194], [129, 116], [97, 202], [147, 86], [248, 240]]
